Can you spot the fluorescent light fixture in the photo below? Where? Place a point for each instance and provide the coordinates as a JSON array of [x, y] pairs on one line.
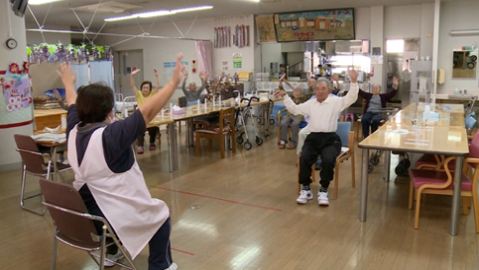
[[41, 2], [121, 18], [156, 13], [191, 9]]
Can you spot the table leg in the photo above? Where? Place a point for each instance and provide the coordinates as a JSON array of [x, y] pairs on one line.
[[456, 197], [387, 165], [266, 119], [189, 132], [172, 147], [55, 167], [364, 186]]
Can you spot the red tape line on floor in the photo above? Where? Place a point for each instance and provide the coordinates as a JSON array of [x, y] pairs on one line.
[[220, 199]]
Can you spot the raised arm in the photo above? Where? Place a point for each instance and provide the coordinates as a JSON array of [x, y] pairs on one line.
[[155, 103], [352, 94], [394, 89], [157, 87], [132, 81], [292, 107], [236, 79], [183, 86], [335, 78], [203, 77], [68, 79]]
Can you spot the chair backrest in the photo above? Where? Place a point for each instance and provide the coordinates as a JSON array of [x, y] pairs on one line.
[[77, 228], [227, 116], [182, 102], [474, 146], [343, 132], [470, 121], [31, 156], [276, 109]]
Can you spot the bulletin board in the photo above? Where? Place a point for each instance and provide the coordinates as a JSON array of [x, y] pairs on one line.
[[330, 24]]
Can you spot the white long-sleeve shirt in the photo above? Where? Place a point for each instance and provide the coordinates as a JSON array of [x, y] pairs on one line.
[[323, 115]]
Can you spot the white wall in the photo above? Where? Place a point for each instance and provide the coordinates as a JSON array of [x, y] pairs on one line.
[[44, 77], [158, 51], [457, 15]]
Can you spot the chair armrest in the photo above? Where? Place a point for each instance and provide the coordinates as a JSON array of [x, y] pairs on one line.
[[472, 160], [279, 114]]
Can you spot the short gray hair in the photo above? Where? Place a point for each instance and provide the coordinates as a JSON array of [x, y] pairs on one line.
[[325, 81], [378, 85]]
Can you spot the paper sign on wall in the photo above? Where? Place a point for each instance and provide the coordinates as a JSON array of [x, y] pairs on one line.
[[237, 60]]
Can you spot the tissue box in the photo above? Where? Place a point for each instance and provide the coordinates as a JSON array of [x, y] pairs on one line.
[[179, 111]]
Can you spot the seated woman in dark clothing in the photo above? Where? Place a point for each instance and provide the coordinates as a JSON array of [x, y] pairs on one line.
[[374, 102], [106, 172]]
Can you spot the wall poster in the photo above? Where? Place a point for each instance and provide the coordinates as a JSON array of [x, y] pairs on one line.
[[331, 24]]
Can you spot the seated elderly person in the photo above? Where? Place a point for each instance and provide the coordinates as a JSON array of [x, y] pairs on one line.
[[374, 102], [193, 94], [292, 121], [323, 139]]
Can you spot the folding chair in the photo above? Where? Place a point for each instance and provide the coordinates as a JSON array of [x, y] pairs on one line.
[[34, 163], [74, 226]]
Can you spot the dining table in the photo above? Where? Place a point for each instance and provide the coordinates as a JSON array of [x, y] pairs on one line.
[[419, 128]]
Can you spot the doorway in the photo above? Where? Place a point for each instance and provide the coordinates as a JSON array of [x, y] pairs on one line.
[[127, 62]]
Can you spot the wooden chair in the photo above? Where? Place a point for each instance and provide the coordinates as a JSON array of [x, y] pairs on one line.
[[441, 182], [347, 151], [225, 128], [34, 163], [74, 225]]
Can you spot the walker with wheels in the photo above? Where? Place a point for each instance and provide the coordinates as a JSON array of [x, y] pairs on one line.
[[242, 115]]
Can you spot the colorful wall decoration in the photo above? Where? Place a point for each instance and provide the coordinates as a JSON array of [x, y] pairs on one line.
[[265, 27], [332, 24], [16, 99]]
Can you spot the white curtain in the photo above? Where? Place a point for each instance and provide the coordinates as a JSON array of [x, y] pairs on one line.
[[102, 72], [81, 71], [203, 52]]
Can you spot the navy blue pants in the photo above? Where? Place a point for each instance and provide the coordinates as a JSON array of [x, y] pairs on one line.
[[372, 120], [160, 251]]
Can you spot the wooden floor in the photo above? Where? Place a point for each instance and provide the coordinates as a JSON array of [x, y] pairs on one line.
[[240, 213]]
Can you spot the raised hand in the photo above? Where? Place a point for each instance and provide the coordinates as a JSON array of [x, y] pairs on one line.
[[156, 72], [179, 70], [279, 93], [134, 72], [353, 74], [282, 77], [236, 76], [395, 82], [66, 74]]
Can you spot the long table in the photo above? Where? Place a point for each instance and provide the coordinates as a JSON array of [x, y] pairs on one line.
[[195, 111], [445, 135]]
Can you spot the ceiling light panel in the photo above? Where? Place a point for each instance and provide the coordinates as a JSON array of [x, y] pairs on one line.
[[107, 7]]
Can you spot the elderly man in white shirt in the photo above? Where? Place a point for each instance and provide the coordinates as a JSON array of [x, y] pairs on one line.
[[323, 139]]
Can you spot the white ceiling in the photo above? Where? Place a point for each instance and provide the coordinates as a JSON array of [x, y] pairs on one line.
[[60, 14]]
